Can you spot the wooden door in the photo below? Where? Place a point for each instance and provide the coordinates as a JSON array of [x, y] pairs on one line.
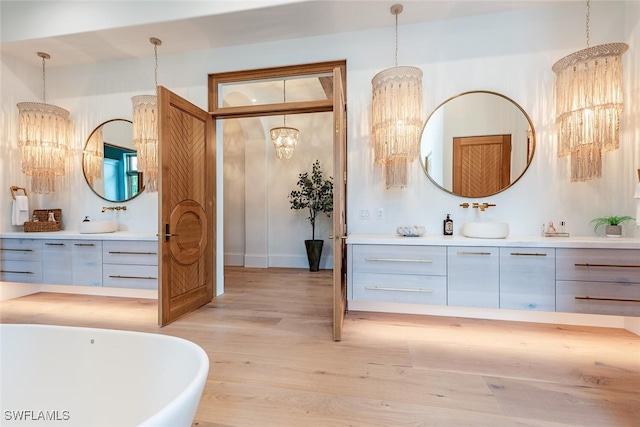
[[186, 192], [339, 205], [481, 165]]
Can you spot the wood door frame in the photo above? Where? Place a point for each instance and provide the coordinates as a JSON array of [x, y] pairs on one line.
[[325, 105]]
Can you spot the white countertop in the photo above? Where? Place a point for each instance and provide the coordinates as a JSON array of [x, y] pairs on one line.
[[74, 235], [511, 241]]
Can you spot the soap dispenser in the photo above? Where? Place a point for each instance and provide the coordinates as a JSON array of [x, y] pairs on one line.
[[448, 226], [86, 219]]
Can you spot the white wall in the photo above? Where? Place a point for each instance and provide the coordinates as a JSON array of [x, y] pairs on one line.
[[511, 53]]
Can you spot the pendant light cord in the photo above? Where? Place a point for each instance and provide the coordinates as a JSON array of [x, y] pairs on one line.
[[284, 100], [396, 59], [44, 83], [587, 24]]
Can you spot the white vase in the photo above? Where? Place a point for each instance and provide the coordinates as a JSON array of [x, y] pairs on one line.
[[613, 230]]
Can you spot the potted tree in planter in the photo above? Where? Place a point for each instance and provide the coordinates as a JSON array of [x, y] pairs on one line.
[[613, 224], [316, 195]]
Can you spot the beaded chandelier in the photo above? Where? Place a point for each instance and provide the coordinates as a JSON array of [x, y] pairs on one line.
[[284, 138], [589, 102]]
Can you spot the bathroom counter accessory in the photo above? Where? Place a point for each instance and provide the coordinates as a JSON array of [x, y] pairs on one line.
[[43, 224]]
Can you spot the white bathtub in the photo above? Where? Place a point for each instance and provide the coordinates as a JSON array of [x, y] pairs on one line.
[[69, 376]]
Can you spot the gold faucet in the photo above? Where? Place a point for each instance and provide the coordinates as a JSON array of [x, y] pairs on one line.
[[114, 208], [482, 206], [464, 205]]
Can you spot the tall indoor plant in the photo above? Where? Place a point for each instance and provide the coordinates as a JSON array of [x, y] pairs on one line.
[[315, 195]]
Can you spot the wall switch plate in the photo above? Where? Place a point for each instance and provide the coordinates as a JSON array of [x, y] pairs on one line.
[[380, 213], [364, 214]]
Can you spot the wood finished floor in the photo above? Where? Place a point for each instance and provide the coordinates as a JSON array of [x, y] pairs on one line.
[[273, 362]]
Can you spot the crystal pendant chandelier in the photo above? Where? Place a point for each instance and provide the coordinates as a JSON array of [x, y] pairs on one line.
[[43, 134], [589, 102], [397, 117], [284, 138], [93, 156], [145, 130]]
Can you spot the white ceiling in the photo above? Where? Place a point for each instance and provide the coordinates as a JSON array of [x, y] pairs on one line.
[[99, 34]]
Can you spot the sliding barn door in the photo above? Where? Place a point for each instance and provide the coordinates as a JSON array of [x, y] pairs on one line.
[[339, 205], [186, 192]]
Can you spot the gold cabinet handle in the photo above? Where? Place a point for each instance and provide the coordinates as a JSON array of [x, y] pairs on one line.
[[607, 265], [54, 244], [382, 288], [133, 277], [132, 253], [84, 244], [474, 253], [16, 250], [16, 272], [398, 260], [587, 298]]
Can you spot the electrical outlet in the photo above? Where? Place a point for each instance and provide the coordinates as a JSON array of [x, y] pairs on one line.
[[364, 214], [380, 213]]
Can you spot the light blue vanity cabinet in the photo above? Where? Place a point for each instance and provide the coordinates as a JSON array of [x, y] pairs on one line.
[[598, 281], [72, 262], [528, 278], [402, 274], [473, 275], [20, 260], [130, 264]]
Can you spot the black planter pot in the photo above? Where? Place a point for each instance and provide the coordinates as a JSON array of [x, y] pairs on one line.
[[314, 250]]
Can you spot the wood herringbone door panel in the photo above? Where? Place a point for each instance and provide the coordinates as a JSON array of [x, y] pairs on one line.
[[481, 165], [187, 207]]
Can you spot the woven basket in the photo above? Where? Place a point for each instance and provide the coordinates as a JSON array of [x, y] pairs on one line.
[[42, 224]]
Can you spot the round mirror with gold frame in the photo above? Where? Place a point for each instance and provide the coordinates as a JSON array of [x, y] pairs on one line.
[[110, 161], [477, 144]]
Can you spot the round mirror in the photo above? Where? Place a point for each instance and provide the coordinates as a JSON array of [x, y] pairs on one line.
[[110, 162], [477, 144]]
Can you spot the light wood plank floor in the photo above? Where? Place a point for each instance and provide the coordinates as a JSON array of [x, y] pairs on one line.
[[273, 362]]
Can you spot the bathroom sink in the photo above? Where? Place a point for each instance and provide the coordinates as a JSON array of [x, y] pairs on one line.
[[485, 230], [95, 227]]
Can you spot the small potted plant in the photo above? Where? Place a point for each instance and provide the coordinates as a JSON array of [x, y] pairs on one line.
[[613, 224], [315, 195]]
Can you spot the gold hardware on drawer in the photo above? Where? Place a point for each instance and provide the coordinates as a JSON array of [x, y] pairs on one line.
[[54, 244], [133, 277], [17, 250], [525, 254], [607, 265], [607, 299], [132, 253], [84, 244], [399, 260], [382, 288], [474, 253], [16, 272]]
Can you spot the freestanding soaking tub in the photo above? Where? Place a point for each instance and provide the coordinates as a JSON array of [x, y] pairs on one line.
[[71, 376]]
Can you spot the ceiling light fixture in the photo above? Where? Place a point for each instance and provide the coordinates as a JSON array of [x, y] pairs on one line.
[[589, 102], [145, 130], [43, 135], [284, 138], [397, 116]]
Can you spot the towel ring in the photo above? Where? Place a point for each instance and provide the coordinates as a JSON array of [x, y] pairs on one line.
[[14, 188]]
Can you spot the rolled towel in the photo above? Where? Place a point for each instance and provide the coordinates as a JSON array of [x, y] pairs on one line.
[[20, 210]]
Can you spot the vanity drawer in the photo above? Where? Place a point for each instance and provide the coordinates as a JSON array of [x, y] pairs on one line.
[[619, 299], [130, 252], [598, 265], [396, 259], [21, 271], [21, 250], [405, 288], [528, 279], [130, 276], [473, 276]]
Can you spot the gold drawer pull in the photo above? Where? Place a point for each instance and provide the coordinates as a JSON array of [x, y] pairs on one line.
[[16, 272], [607, 299], [84, 244], [17, 250], [133, 277], [382, 288], [474, 253], [526, 254], [54, 244], [399, 260], [607, 265], [132, 253]]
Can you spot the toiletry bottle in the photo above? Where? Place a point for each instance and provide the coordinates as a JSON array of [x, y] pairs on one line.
[[51, 218], [448, 226]]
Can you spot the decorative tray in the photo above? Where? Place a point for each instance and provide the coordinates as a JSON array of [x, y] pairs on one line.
[[411, 230], [551, 234]]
